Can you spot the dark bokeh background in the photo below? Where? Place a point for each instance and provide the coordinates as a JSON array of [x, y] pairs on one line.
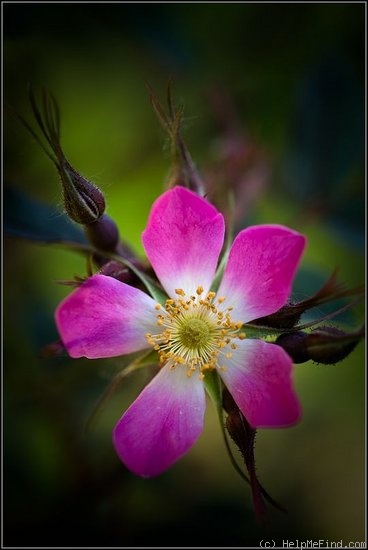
[[274, 106]]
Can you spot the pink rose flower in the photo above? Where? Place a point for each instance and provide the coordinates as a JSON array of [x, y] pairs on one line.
[[196, 331]]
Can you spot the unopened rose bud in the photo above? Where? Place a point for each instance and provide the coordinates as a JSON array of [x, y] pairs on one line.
[[330, 345], [183, 171], [119, 271], [327, 345], [103, 233], [83, 201], [294, 343], [286, 317], [243, 436], [290, 313]]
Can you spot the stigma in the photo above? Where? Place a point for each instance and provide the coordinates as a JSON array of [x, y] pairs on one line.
[[196, 332]]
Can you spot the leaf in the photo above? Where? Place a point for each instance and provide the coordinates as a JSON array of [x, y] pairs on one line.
[[30, 219]]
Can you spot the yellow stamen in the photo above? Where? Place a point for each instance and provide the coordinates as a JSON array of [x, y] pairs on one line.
[[195, 332]]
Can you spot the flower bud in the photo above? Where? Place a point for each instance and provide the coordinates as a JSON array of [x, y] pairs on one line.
[[83, 201], [290, 313], [294, 343], [103, 233], [243, 436], [120, 272], [183, 171], [327, 345], [286, 317]]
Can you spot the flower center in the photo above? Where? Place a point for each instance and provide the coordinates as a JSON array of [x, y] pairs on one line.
[[194, 333], [197, 332]]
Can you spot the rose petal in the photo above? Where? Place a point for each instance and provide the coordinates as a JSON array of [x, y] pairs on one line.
[[261, 267], [258, 377], [183, 240], [163, 422], [105, 318]]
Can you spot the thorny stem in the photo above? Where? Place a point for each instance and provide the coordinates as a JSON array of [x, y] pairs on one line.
[[234, 463]]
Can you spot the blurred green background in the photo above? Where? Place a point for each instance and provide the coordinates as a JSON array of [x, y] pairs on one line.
[[274, 105]]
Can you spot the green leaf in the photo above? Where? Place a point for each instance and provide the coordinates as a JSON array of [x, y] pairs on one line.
[[27, 218]]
